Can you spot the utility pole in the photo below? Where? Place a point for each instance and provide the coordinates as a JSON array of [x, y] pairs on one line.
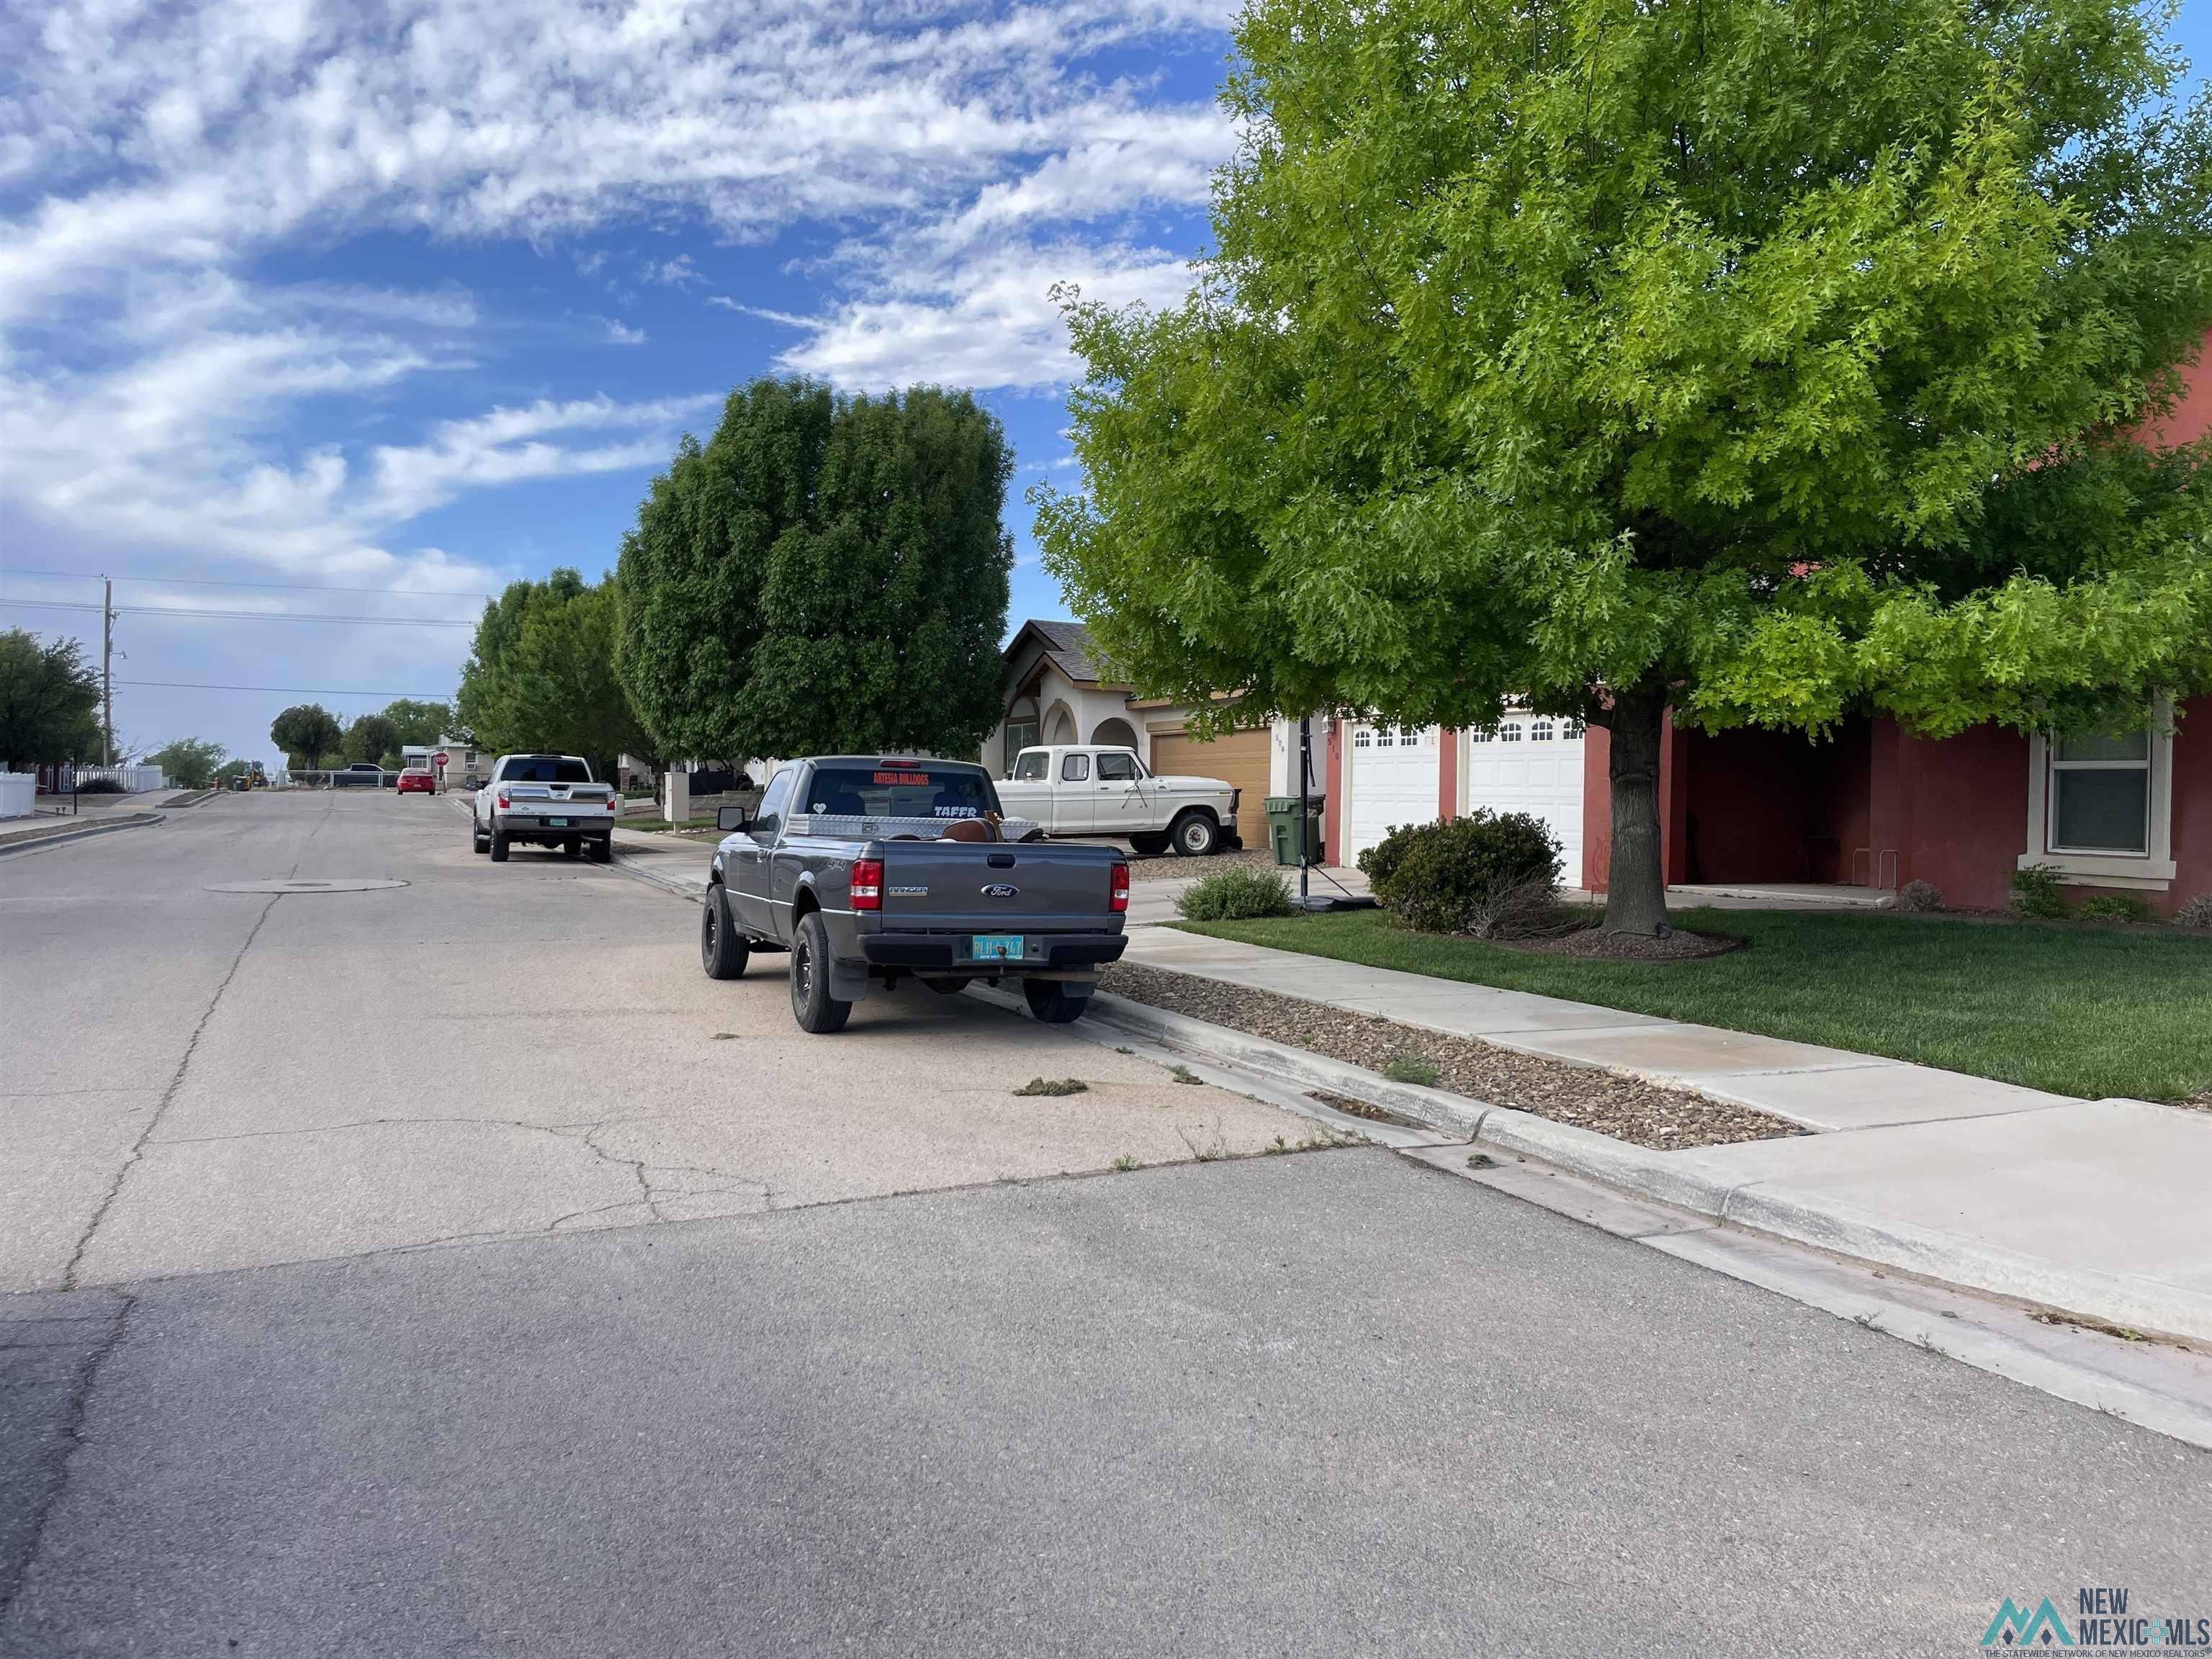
[[107, 672]]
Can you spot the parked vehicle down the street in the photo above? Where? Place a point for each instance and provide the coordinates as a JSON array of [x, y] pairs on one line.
[[544, 800], [361, 774], [418, 780], [1075, 790], [869, 869]]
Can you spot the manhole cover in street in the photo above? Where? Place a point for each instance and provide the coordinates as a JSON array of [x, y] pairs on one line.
[[343, 885]]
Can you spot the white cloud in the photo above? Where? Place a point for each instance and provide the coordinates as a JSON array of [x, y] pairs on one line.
[[166, 401]]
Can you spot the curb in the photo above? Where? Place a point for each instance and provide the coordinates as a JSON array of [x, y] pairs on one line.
[[683, 890], [34, 843], [1676, 1179]]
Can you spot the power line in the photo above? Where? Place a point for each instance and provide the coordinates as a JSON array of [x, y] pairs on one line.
[[212, 582], [243, 615], [294, 690]]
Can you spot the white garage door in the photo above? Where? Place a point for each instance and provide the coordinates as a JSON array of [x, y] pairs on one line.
[[1531, 764], [1394, 781]]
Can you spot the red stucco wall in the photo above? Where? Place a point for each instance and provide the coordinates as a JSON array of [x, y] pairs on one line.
[[1447, 773], [2192, 801], [1332, 809]]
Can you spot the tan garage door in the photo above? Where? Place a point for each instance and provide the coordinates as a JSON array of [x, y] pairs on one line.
[[1240, 757]]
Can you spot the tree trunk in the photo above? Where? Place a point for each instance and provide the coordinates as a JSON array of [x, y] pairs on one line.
[[1636, 893]]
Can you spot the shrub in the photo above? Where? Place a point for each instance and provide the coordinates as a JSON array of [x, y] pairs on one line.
[[2197, 913], [101, 786], [1494, 871], [1237, 894], [1922, 895], [2035, 892], [2113, 907]]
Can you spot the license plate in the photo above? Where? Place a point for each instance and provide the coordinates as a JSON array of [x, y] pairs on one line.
[[554, 823], [1000, 946]]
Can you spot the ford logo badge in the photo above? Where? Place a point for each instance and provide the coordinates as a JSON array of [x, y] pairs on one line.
[[1000, 889]]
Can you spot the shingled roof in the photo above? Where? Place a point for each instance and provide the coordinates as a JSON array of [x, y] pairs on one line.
[[1066, 644]]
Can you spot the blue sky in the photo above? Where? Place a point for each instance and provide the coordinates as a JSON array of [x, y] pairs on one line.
[[411, 299]]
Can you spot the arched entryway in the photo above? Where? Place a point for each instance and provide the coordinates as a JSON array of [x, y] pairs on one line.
[[1115, 733]]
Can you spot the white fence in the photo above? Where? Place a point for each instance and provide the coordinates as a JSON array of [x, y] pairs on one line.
[[18, 792], [132, 778]]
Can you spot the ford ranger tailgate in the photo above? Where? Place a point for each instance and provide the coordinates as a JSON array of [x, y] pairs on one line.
[[936, 886]]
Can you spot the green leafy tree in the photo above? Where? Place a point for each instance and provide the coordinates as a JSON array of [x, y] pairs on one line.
[[1768, 361], [373, 737], [542, 674], [49, 703], [192, 762], [308, 734], [414, 721], [825, 574]]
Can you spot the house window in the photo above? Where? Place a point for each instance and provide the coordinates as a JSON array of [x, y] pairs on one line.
[[2100, 795], [2101, 806], [1020, 734]]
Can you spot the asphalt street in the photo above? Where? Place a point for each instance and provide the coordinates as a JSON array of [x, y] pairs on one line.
[[451, 1268]]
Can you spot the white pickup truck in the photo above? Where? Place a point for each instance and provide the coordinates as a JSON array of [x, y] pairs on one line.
[[546, 800], [1081, 789]]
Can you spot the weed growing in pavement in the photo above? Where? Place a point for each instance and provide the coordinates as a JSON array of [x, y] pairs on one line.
[[1124, 1051], [1125, 1163], [1065, 1085], [726, 1037], [1213, 1150], [1411, 1068], [1184, 1074]]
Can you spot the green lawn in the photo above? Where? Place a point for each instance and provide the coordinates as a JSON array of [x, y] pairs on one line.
[[2081, 1010]]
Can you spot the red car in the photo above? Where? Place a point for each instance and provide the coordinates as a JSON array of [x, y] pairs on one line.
[[419, 779]]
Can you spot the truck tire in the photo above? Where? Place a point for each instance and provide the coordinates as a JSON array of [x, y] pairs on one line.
[[479, 841], [498, 848], [1151, 846], [1053, 1002], [603, 849], [1194, 833], [722, 949], [947, 987], [572, 849], [812, 1004]]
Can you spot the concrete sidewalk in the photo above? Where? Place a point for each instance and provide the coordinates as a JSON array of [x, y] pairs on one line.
[[2097, 1208]]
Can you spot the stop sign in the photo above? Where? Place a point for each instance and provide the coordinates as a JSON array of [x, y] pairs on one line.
[[440, 757]]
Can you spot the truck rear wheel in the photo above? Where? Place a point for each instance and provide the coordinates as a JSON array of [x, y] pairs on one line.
[[498, 848], [1054, 1002], [1195, 833], [722, 949], [812, 1004], [1151, 846]]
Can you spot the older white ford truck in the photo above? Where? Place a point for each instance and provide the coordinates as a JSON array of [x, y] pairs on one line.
[[1085, 790]]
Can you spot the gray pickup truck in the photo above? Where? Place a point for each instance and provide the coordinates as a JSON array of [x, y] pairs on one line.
[[868, 869]]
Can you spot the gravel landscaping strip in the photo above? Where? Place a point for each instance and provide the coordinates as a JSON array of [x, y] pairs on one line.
[[1588, 1097], [1170, 867]]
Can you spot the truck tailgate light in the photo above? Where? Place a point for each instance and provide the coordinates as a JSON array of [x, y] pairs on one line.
[[502, 800], [867, 884], [1120, 900]]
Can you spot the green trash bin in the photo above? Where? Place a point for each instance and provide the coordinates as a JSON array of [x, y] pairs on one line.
[[1283, 829]]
